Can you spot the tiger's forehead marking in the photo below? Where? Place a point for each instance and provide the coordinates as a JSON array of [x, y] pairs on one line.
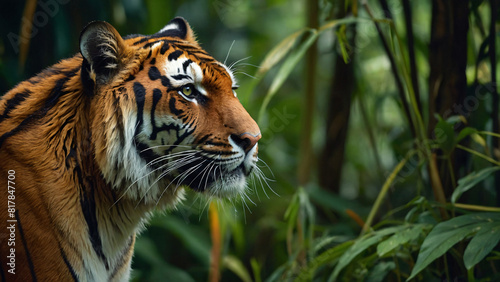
[[181, 71], [182, 64]]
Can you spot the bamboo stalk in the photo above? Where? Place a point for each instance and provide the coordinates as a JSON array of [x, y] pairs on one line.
[[476, 207], [494, 94], [411, 52], [306, 154], [382, 194], [394, 68]]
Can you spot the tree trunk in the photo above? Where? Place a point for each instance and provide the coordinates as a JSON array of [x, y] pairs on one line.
[[447, 81], [337, 121]]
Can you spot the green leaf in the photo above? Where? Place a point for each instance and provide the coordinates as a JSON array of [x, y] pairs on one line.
[[446, 234], [445, 136], [256, 269], [361, 245], [236, 266], [326, 257], [380, 271], [286, 68], [469, 181], [400, 238], [308, 36], [455, 119], [280, 51], [482, 244], [464, 133]]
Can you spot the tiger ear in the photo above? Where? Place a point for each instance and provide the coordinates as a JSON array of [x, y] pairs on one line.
[[102, 48], [178, 27]]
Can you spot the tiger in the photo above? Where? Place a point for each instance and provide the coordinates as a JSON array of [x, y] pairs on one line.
[[93, 145]]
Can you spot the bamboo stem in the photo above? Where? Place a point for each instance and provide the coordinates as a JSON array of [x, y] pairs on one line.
[[411, 52], [381, 195], [394, 68], [494, 93], [479, 154], [306, 154], [476, 208]]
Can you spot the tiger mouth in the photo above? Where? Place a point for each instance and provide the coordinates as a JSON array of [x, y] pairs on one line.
[[209, 176]]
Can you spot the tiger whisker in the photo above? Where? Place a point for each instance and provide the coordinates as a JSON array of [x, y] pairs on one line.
[[163, 174], [238, 61], [244, 73], [229, 52], [166, 146], [173, 180]]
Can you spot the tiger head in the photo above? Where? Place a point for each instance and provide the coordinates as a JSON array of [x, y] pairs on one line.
[[165, 115]]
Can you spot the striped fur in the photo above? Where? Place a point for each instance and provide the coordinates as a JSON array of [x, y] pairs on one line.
[[100, 140]]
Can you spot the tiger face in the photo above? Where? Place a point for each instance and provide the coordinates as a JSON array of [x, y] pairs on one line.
[[165, 115]]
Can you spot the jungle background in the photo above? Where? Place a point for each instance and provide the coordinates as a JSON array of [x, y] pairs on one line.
[[380, 126]]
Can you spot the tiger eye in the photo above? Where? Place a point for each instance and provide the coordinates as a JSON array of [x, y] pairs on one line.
[[187, 90]]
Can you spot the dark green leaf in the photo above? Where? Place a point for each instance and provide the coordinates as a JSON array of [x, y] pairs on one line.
[[464, 133], [445, 136], [360, 245], [380, 271], [412, 232], [469, 181], [446, 234], [482, 244]]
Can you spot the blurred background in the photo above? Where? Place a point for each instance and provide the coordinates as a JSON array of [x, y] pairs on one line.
[[379, 122]]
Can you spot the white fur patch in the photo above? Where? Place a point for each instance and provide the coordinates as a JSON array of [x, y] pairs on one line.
[[170, 26], [193, 74]]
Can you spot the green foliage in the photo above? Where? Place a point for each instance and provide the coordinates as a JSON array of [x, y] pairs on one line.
[[471, 180], [448, 233]]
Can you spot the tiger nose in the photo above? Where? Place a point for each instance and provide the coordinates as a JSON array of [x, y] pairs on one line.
[[246, 140]]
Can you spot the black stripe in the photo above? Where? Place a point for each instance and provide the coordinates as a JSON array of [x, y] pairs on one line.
[[149, 54], [130, 77], [180, 139], [156, 98], [123, 257], [145, 153], [175, 55], [142, 149], [25, 245], [87, 202], [153, 61], [61, 128], [164, 47], [155, 74], [180, 76], [51, 101], [203, 139], [54, 70], [13, 103], [140, 98], [173, 109], [186, 64], [70, 267]]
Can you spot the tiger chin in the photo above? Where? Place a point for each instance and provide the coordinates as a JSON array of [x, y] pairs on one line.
[[98, 141]]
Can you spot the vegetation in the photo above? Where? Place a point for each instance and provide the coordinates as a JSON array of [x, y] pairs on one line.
[[381, 140]]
